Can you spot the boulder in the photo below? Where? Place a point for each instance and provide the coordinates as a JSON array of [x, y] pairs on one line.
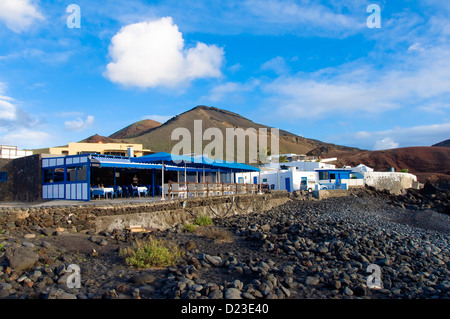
[[21, 258]]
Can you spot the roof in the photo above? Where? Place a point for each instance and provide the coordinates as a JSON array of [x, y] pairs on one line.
[[127, 162], [195, 162]]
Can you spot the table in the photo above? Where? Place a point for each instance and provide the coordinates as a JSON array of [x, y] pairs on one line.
[[140, 189], [104, 191]]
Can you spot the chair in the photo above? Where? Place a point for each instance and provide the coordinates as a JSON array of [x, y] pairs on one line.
[[201, 189], [216, 189], [125, 192], [132, 191], [192, 189], [177, 191], [241, 189], [149, 190], [118, 191]]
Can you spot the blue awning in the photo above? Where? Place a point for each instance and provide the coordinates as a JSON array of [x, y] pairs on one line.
[[121, 163], [195, 162], [131, 163]]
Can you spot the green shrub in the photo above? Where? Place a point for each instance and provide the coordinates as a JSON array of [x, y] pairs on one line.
[[190, 228], [404, 170], [203, 220], [151, 253]]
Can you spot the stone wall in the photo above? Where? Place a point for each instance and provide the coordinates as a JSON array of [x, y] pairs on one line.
[[159, 215], [322, 194], [24, 182], [6, 188]]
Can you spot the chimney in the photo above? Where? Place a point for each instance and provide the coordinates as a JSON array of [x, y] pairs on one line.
[[130, 152]]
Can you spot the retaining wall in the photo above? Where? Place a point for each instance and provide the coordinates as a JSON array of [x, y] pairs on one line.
[[322, 194], [24, 183], [159, 215]]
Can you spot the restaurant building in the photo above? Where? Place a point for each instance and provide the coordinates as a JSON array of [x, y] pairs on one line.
[[74, 177]]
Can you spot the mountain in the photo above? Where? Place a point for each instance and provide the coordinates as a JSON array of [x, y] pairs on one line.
[[135, 129], [159, 138], [445, 143], [428, 163], [98, 139]]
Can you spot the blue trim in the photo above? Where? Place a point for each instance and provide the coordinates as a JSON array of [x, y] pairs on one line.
[[3, 177]]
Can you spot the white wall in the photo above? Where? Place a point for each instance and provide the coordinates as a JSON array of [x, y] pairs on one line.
[[12, 153], [392, 181]]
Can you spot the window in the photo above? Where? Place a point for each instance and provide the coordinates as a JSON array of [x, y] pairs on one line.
[[82, 173], [48, 175], [323, 175], [54, 175], [77, 173], [264, 180], [332, 176], [3, 177], [71, 174]]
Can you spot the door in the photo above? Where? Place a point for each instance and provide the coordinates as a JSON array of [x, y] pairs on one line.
[[255, 179], [287, 182], [304, 183]]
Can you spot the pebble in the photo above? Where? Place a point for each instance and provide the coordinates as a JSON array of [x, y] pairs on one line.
[[233, 293], [325, 248], [312, 281]]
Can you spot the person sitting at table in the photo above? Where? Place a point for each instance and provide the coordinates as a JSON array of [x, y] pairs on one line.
[[135, 180]]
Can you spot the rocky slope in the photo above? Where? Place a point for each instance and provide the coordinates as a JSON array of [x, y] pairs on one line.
[[445, 143], [135, 129], [302, 249]]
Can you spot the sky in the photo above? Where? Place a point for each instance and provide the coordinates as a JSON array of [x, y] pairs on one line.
[[318, 69]]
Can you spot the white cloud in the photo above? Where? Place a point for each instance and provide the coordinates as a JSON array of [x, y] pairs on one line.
[[422, 135], [18, 127], [385, 144], [152, 54], [79, 124], [273, 17], [19, 15], [25, 138], [7, 109], [306, 17], [420, 78], [225, 90], [277, 65]]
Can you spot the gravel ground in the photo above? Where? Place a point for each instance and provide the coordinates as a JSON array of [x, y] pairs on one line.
[[302, 249]]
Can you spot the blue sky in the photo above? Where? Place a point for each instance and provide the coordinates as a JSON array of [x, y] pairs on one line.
[[313, 68]]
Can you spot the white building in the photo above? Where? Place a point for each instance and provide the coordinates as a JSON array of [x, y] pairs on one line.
[[290, 179], [12, 152]]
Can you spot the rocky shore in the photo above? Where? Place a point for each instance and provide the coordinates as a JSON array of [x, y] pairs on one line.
[[301, 249]]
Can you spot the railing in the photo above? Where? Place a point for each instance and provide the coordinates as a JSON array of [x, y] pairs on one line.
[[190, 189]]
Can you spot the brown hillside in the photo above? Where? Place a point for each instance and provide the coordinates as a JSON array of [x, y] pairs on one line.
[[159, 138], [425, 162], [98, 139], [135, 129]]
